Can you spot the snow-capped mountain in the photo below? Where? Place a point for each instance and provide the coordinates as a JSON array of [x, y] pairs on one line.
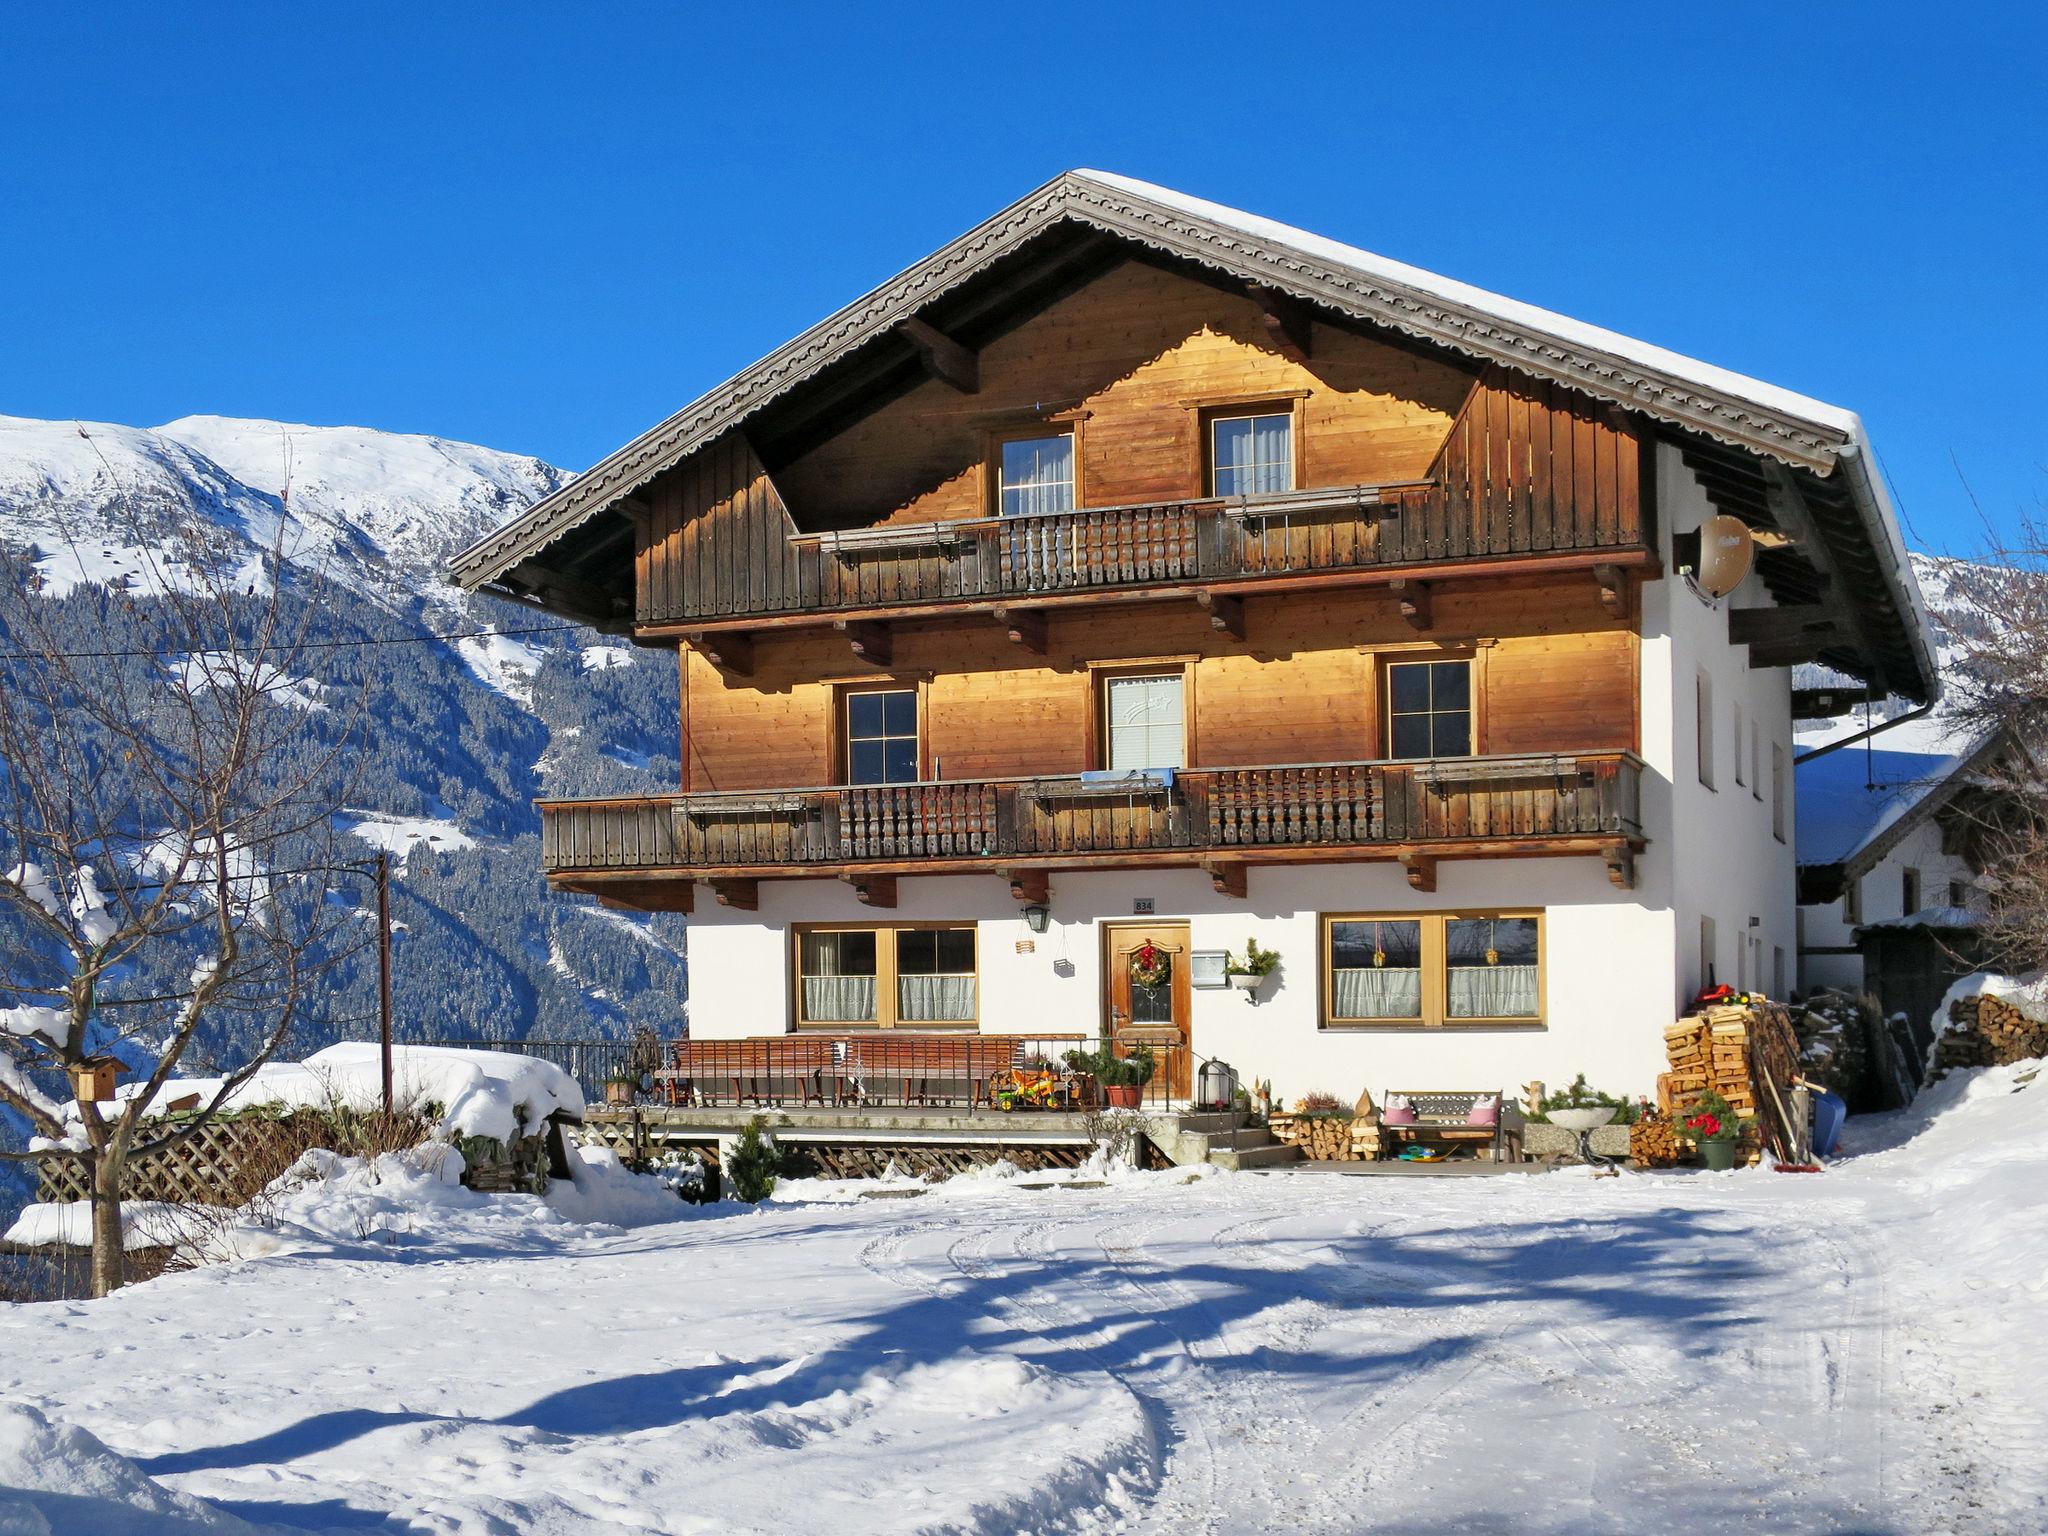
[[465, 731]]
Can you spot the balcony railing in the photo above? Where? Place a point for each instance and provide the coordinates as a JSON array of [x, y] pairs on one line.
[[761, 570], [1197, 811]]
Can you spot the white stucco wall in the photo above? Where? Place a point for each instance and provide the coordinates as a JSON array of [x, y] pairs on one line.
[[1883, 892], [1723, 859], [1607, 959]]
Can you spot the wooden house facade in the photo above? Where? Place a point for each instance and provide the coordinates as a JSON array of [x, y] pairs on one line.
[[1136, 577]]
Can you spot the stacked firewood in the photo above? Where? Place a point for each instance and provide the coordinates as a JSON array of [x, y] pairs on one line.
[[1324, 1138], [1653, 1143], [1735, 1050], [1988, 1031], [1706, 1051]]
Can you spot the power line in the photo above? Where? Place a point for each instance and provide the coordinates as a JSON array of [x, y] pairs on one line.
[[306, 645]]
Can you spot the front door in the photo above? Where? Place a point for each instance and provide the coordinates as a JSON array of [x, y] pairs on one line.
[[1146, 997]]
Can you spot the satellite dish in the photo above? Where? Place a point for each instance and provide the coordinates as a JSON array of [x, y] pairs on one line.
[[1725, 556]]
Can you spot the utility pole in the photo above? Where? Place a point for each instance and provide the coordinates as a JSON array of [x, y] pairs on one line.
[[384, 969]]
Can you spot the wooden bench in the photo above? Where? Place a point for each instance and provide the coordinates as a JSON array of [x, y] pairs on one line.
[[1443, 1117]]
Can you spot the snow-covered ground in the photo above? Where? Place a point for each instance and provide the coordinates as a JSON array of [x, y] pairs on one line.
[[1169, 1353]]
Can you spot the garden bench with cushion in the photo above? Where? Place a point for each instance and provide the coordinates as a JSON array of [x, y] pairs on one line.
[[925, 1069], [1447, 1118]]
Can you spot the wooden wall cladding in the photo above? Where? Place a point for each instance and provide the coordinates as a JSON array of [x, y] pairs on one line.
[[1130, 352], [1559, 674]]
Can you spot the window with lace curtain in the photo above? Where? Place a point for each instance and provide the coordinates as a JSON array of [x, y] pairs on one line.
[[1252, 455], [1433, 969], [908, 975]]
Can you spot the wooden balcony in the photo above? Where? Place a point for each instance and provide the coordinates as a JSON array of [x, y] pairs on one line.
[[1242, 544], [1222, 819]]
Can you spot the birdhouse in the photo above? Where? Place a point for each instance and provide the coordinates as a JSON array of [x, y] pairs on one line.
[[92, 1080]]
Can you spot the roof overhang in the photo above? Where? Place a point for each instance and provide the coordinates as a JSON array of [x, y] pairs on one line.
[[1742, 413]]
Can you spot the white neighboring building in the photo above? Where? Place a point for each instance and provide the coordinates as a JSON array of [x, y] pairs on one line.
[[1365, 580]]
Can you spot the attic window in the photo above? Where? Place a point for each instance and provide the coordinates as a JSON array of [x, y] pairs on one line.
[[1252, 455], [1036, 475]]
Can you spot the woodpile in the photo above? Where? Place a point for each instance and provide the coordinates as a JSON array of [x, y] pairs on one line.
[[1988, 1031], [1653, 1143], [1736, 1050], [1327, 1138]]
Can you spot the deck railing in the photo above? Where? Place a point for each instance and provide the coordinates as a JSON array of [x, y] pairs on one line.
[[1504, 798], [1144, 543]]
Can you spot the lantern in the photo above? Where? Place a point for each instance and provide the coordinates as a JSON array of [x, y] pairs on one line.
[[1216, 1085]]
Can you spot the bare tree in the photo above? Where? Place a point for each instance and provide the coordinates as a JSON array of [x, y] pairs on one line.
[[1997, 676], [168, 794]]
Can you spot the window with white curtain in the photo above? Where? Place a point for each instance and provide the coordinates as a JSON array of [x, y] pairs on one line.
[[935, 975], [1376, 969], [1432, 969], [838, 978], [1144, 722], [1252, 455], [1490, 968], [909, 975], [1037, 475]]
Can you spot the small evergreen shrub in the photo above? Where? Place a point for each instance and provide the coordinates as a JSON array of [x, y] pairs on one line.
[[754, 1164]]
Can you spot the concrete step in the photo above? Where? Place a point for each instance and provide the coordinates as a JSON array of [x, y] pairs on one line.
[[1269, 1154], [1209, 1122]]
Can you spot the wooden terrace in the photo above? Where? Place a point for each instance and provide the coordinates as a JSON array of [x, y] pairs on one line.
[[644, 851]]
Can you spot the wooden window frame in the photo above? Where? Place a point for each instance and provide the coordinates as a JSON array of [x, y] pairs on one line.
[[1099, 673], [1909, 889], [838, 744], [1209, 413], [1435, 971], [1384, 662], [1063, 424], [886, 977]]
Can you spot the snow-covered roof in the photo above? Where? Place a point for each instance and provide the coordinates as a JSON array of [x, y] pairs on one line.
[[1929, 917]]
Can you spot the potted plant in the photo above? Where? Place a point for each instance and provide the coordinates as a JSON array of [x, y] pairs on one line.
[[1713, 1127], [1255, 967], [1123, 1078], [620, 1088]]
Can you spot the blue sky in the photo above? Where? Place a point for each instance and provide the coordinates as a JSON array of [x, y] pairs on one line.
[[544, 228]]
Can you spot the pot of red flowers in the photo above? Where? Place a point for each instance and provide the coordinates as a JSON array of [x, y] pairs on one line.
[[1713, 1127]]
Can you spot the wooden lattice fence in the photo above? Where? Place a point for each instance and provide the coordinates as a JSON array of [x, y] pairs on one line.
[[228, 1161]]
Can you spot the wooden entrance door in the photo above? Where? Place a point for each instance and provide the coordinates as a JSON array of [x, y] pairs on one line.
[[1154, 1013]]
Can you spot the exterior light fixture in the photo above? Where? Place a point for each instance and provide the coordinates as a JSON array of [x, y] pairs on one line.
[[1036, 915]]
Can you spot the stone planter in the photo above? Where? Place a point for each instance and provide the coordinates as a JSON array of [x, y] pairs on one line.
[[1541, 1139]]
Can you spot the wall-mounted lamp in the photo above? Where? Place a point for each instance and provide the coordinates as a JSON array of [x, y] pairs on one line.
[[1035, 916]]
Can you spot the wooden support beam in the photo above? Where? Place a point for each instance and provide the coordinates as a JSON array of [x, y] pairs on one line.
[[870, 642], [1760, 626], [1288, 321], [1414, 599], [1613, 584], [637, 510], [1227, 876], [1026, 628], [1420, 868], [872, 890], [1226, 613], [943, 357], [639, 895], [1621, 865], [729, 651], [1029, 887], [741, 895], [566, 591]]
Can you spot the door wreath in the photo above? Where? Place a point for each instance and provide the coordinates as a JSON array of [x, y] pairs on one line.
[[1150, 965]]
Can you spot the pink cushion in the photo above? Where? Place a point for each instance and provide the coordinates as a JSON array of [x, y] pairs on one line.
[[1402, 1115], [1484, 1113]]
